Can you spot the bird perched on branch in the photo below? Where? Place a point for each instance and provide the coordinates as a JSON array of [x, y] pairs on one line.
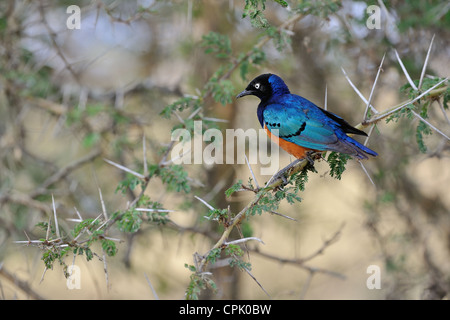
[[302, 127]]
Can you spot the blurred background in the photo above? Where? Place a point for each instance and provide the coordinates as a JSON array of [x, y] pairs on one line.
[[72, 97]]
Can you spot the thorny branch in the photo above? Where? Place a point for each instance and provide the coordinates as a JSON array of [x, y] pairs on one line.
[[234, 221], [435, 90]]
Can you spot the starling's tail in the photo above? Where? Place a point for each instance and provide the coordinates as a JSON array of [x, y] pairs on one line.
[[353, 148]]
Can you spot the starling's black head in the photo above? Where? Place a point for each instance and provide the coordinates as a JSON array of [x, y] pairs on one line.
[[259, 87], [265, 86]]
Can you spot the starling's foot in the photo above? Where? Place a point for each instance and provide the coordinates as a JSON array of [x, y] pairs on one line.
[[281, 174], [309, 157]]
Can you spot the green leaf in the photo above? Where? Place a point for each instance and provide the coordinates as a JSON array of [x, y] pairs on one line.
[[109, 247], [217, 43], [91, 139], [405, 111], [256, 57], [176, 178], [233, 249], [321, 8], [254, 10], [213, 255], [223, 91], [49, 257], [267, 202], [446, 98], [153, 217], [94, 109], [300, 178], [190, 267], [90, 224], [282, 3], [243, 69], [422, 130], [337, 162], [88, 253], [235, 187], [220, 214], [280, 38], [130, 182], [181, 105], [130, 221]]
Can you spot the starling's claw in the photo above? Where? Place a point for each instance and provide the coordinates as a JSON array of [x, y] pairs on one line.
[[281, 173], [309, 158]]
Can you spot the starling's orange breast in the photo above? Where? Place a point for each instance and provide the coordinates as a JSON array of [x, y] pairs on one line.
[[290, 147]]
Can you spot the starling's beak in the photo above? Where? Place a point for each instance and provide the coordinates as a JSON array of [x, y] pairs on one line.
[[244, 93]]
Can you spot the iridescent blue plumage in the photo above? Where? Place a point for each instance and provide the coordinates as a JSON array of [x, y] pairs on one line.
[[300, 122]]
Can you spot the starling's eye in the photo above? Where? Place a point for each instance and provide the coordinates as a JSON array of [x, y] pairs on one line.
[[257, 85]]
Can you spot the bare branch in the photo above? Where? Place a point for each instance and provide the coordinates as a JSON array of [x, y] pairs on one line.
[[105, 269], [300, 264], [259, 284], [51, 33], [22, 285], [395, 109], [64, 172], [333, 239], [282, 215]]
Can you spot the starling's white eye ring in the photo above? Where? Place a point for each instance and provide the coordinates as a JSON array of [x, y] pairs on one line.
[[257, 85]]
